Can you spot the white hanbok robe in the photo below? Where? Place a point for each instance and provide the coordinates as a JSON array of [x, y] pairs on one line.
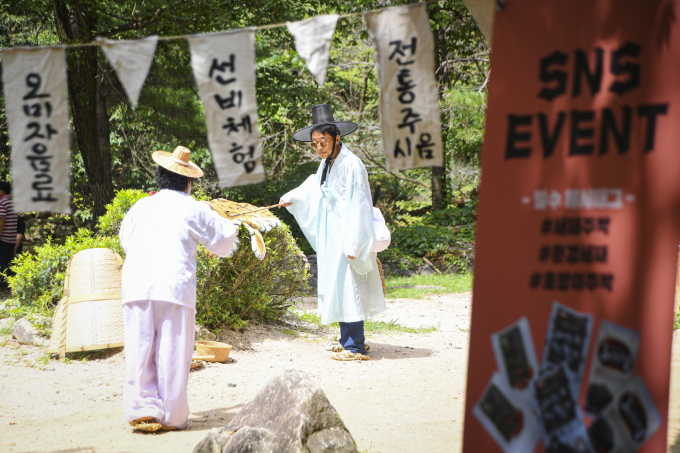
[[337, 220]]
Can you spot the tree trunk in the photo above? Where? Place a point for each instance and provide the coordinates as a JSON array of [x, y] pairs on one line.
[[82, 86], [438, 179], [439, 173], [103, 126]]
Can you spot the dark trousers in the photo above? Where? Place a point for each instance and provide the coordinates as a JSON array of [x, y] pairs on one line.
[[6, 257], [352, 336]]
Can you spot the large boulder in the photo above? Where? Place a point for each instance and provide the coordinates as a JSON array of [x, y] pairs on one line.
[[25, 333], [291, 414]]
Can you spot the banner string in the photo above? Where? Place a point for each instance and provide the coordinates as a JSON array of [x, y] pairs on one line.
[[175, 37]]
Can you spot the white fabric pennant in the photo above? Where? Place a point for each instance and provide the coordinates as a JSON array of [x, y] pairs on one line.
[[224, 68], [409, 101], [483, 11], [131, 60], [313, 42], [36, 100]]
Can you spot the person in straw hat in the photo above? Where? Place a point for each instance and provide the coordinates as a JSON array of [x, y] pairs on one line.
[[334, 210], [160, 235]]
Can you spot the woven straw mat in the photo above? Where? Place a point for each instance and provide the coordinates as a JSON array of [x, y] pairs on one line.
[[90, 315]]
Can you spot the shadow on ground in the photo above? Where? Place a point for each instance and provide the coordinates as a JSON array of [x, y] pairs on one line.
[[214, 418], [380, 351]]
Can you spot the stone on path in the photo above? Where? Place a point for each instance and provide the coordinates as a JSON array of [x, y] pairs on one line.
[[25, 333], [291, 414]]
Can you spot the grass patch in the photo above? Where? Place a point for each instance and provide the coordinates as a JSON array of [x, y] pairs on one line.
[[454, 283], [7, 330], [371, 326]]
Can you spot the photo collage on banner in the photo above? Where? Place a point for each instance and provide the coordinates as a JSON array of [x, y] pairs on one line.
[[578, 231], [36, 102]]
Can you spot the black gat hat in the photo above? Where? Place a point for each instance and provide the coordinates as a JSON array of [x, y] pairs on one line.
[[322, 114]]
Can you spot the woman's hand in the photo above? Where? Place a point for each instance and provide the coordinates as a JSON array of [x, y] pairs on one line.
[[351, 257], [282, 204]]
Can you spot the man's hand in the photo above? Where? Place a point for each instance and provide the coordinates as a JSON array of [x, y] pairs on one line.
[[351, 257], [282, 204]]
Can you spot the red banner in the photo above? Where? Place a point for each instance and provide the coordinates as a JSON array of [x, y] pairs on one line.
[[578, 229]]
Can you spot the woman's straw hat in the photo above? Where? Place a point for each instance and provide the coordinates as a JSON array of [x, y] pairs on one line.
[[178, 162]]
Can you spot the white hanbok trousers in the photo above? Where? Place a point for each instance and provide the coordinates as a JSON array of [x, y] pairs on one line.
[[159, 344]]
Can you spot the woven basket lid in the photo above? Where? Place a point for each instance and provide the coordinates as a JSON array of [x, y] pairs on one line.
[[90, 315]]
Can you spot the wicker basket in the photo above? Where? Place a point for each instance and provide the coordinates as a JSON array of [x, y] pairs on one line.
[[90, 315], [212, 351]]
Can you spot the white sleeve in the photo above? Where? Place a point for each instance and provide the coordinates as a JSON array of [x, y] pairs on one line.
[[218, 234], [126, 227], [381, 234]]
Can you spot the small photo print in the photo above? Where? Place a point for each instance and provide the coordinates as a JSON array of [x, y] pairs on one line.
[[614, 359], [628, 422], [567, 343], [511, 423], [515, 355], [563, 428]]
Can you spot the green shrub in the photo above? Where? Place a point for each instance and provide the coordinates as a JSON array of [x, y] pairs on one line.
[[230, 290], [109, 223], [38, 280], [240, 287]]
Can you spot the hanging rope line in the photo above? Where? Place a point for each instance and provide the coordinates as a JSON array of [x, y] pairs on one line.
[[176, 37]]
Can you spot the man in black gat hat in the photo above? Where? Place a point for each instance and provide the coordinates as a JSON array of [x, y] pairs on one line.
[[335, 211]]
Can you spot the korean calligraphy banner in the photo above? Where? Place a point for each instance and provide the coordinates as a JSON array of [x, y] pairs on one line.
[[131, 60], [313, 42], [409, 101], [224, 68], [578, 230], [37, 111]]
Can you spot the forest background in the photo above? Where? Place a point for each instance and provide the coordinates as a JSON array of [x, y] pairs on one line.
[[430, 211]]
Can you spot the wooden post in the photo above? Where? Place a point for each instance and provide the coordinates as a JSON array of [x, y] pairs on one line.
[[677, 287]]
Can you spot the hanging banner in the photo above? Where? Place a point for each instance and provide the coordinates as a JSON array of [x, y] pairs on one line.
[[409, 102], [36, 101], [578, 230], [482, 11], [131, 60], [224, 68], [313, 42]]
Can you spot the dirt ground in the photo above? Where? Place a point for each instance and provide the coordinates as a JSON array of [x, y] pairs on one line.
[[408, 398]]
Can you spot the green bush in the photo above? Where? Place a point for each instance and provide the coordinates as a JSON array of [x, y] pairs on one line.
[[230, 290], [109, 223], [38, 280], [240, 287]]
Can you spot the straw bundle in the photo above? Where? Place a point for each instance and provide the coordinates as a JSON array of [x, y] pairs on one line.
[[90, 315], [382, 276]]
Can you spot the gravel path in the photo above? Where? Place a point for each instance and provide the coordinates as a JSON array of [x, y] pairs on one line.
[[409, 398]]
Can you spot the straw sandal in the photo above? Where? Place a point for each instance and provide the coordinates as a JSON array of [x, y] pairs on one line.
[[140, 420], [338, 348], [350, 356], [153, 427]]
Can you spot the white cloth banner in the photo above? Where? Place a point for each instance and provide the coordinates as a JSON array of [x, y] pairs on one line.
[[409, 102], [483, 11], [313, 42], [224, 68], [131, 60], [36, 100]]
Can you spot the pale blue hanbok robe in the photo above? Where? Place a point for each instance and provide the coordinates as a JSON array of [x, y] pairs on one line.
[[337, 220]]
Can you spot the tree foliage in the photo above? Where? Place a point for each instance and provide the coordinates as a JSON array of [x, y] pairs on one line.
[[169, 112]]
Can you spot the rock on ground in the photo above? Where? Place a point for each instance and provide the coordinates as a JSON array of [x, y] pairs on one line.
[[25, 333], [291, 414]]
